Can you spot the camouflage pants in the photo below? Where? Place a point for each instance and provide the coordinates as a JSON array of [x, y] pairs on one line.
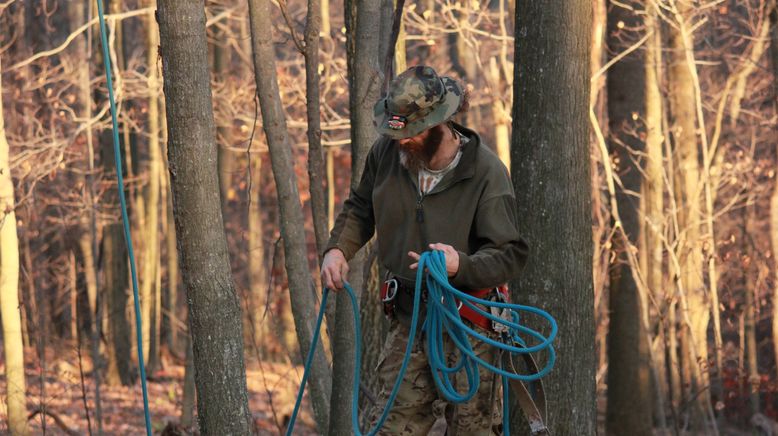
[[418, 403]]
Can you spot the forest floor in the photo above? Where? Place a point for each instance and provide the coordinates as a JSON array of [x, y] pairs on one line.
[[62, 398], [272, 389]]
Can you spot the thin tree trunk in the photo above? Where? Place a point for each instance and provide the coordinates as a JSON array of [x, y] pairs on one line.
[[226, 158], [116, 282], [750, 275], [653, 200], [695, 309], [315, 158], [291, 214], [774, 198], [214, 310], [151, 261], [257, 271], [629, 394], [550, 160], [13, 347], [87, 240]]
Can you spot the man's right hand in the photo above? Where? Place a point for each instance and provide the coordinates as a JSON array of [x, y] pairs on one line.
[[334, 270]]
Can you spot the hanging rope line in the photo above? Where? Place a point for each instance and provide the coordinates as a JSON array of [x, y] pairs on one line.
[[443, 304], [125, 219]]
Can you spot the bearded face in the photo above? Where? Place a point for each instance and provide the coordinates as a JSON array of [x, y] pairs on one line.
[[417, 151]]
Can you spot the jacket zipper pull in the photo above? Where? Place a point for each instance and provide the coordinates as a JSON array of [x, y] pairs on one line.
[[419, 212]]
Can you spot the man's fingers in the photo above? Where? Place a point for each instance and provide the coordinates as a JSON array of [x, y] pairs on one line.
[[414, 265], [414, 255]]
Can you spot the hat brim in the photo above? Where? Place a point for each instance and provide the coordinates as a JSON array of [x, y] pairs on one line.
[[443, 110]]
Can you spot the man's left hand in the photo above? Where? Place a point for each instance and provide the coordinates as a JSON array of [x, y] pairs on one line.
[[452, 257]]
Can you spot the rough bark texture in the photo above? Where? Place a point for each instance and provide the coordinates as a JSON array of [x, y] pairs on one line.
[[550, 172], [629, 394], [13, 348], [291, 213], [214, 311], [365, 80], [315, 157]]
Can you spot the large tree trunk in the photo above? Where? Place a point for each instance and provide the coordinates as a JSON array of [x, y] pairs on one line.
[[291, 213], [214, 310], [629, 395], [550, 172], [363, 56], [13, 347]]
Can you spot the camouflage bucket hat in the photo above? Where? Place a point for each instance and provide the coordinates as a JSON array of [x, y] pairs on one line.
[[417, 100]]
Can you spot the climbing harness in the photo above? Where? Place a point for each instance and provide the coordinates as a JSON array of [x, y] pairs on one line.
[[125, 219], [444, 305]]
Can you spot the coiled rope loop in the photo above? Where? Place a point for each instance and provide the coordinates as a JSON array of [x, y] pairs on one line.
[[443, 316]]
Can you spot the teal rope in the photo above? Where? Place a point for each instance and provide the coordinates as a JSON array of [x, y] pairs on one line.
[[120, 181], [443, 314]]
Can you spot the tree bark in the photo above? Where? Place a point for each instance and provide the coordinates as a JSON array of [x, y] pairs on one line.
[[750, 273], [629, 394], [315, 158], [550, 172], [291, 214], [13, 347], [694, 302], [115, 280], [152, 258], [774, 198], [653, 201], [214, 310], [365, 79], [88, 222]]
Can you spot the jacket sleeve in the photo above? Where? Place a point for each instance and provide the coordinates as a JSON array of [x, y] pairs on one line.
[[355, 224], [501, 253]]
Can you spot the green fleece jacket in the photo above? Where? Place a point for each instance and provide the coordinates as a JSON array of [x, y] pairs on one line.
[[473, 209]]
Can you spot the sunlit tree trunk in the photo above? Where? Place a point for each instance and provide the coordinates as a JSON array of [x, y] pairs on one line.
[[629, 395], [13, 347], [653, 201], [291, 215], [550, 160], [257, 272], [695, 312], [214, 310], [151, 262]]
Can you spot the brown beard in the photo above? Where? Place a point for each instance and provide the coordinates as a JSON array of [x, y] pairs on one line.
[[415, 156]]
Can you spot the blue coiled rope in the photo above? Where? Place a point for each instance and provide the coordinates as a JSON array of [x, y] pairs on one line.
[[443, 314], [125, 219]]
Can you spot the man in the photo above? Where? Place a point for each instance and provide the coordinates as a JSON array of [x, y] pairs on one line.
[[429, 184]]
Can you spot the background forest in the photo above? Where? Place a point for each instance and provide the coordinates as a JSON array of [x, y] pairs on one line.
[[641, 136]]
